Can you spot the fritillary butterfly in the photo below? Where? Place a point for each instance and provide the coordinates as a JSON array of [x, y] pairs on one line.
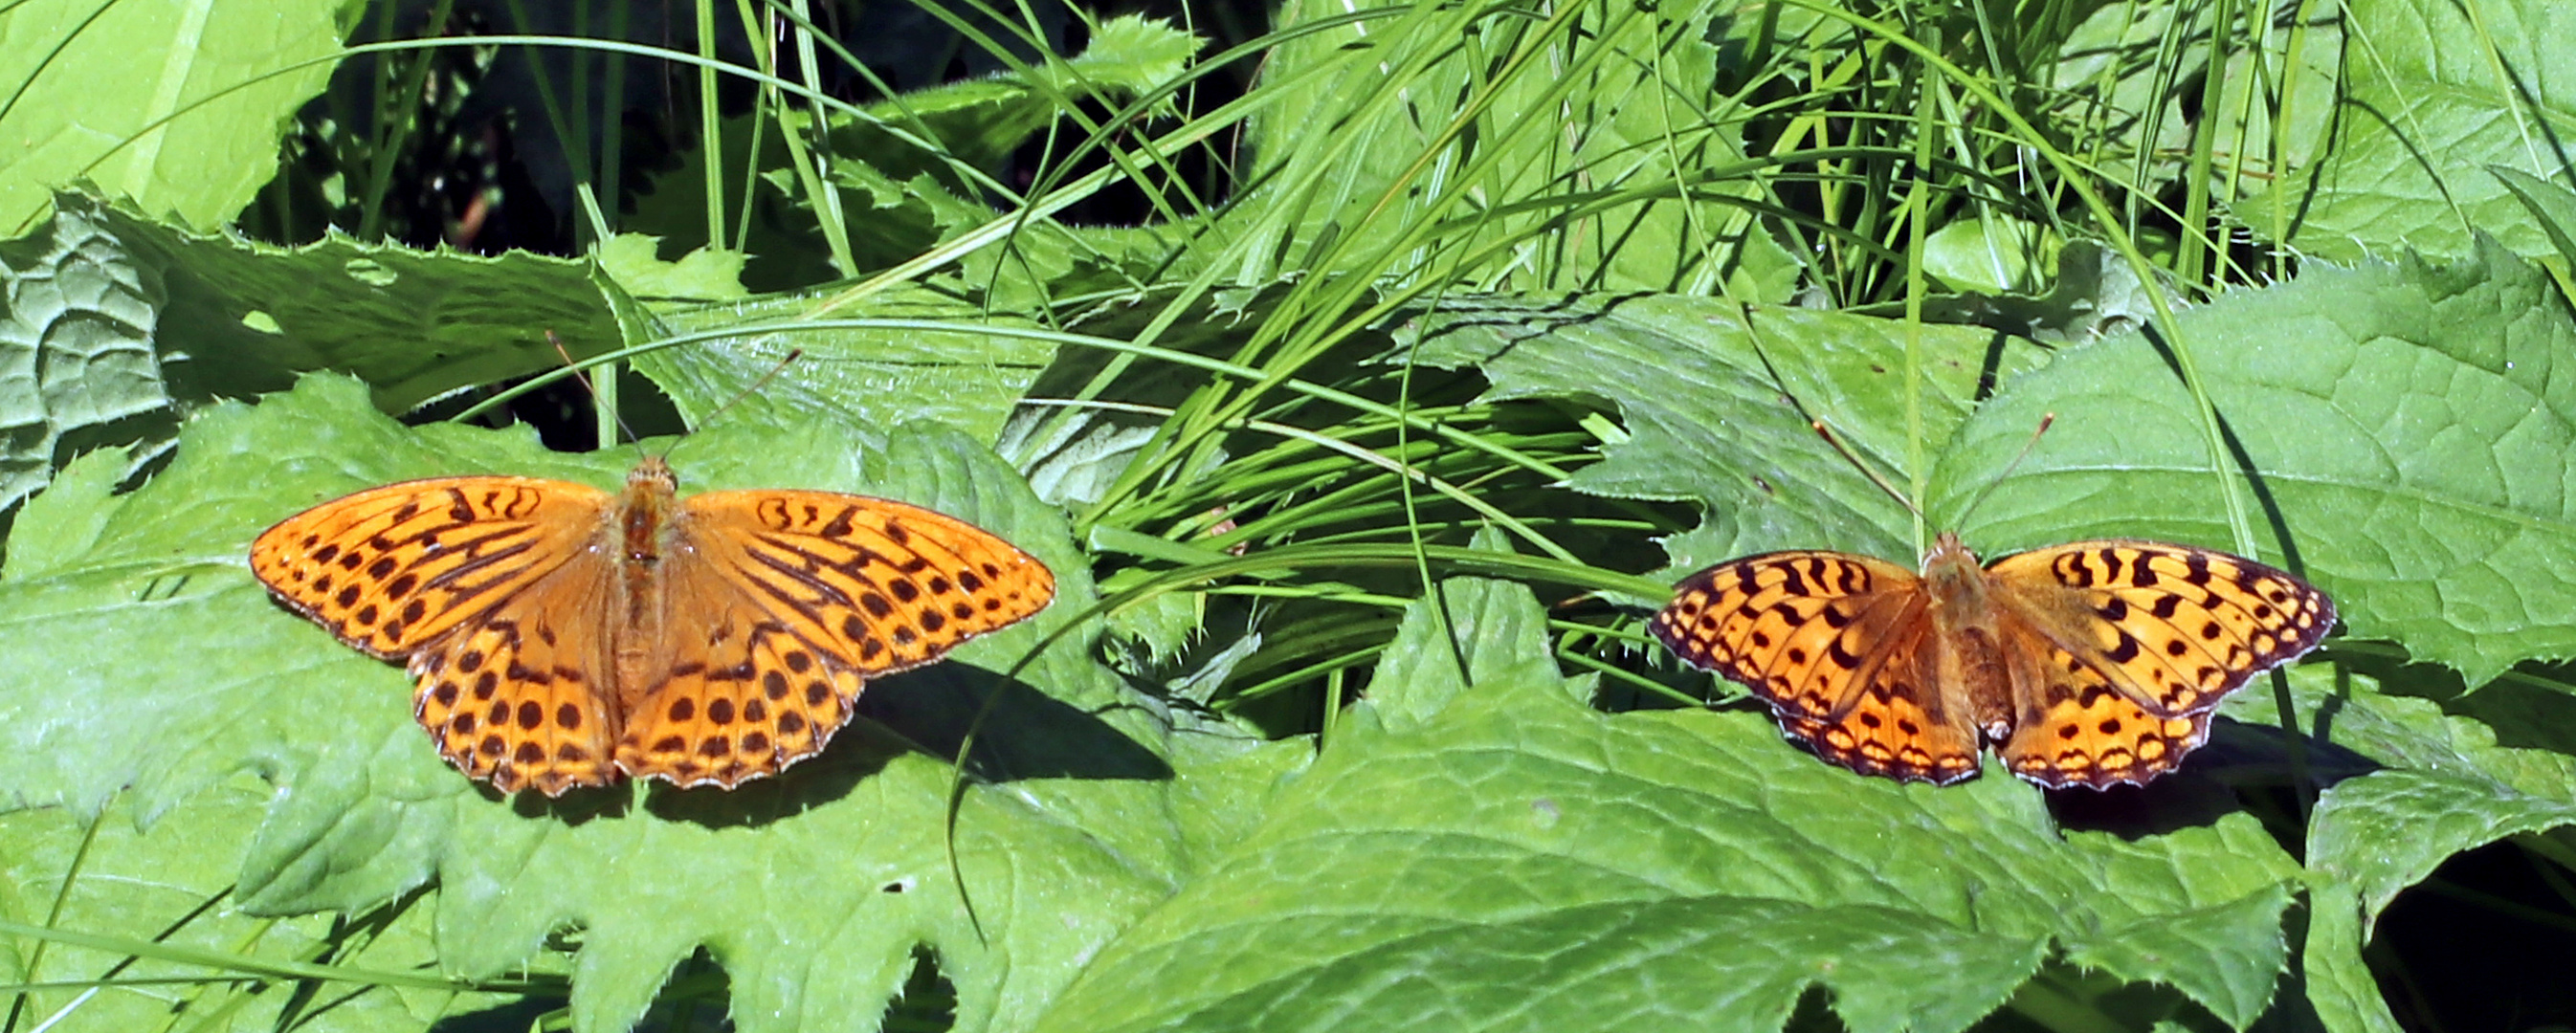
[[2086, 664], [561, 634]]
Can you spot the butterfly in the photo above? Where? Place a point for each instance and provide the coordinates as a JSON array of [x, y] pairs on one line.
[[2089, 664], [561, 634]]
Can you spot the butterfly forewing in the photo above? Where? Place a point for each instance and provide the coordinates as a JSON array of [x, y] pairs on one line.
[[883, 586], [2172, 627], [1784, 624], [392, 568]]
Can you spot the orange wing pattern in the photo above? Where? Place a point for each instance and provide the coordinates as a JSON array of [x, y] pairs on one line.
[[560, 634], [2087, 664], [801, 597], [520, 696], [2133, 644], [393, 568], [1839, 646]]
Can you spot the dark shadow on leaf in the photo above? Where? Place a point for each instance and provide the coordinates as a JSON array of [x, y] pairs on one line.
[[858, 751], [1025, 734], [518, 1016], [2242, 754], [2182, 799], [574, 807]]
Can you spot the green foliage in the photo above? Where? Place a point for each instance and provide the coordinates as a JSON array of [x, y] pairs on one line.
[[175, 105], [1435, 340]]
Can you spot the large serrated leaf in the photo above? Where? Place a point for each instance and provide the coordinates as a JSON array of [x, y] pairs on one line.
[[176, 104], [1523, 857], [167, 885], [868, 377], [77, 320], [2409, 425], [143, 654], [1717, 400], [2431, 95]]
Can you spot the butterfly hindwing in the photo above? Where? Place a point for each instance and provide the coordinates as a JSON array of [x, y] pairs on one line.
[[519, 696], [1902, 723], [739, 694], [805, 596], [2072, 727], [391, 569]]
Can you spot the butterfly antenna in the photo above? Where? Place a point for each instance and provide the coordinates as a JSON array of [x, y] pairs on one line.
[[602, 401], [2044, 420], [792, 355], [1828, 434]]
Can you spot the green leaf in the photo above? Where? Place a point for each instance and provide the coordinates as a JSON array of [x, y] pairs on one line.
[[2341, 988], [865, 377], [1525, 862], [1717, 408], [155, 884], [167, 669], [1501, 635], [2406, 424], [2411, 787], [977, 123], [2431, 95], [126, 317], [2443, 787], [704, 274], [77, 317], [88, 88], [2387, 830]]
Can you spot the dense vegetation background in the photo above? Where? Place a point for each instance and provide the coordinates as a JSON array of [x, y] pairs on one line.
[[1366, 373]]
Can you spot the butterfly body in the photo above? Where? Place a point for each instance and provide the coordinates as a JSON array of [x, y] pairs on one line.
[[2093, 663], [561, 634]]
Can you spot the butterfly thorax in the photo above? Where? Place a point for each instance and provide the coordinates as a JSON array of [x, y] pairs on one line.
[[646, 534], [1973, 671]]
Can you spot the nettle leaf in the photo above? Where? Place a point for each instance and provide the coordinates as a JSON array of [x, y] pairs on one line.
[[1522, 861], [2437, 785], [163, 667], [2431, 95], [1717, 411], [196, 137], [76, 322], [236, 317], [864, 376], [2408, 424], [2410, 787], [154, 883]]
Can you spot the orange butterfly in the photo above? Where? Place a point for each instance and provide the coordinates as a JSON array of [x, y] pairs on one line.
[[2085, 664], [561, 633]]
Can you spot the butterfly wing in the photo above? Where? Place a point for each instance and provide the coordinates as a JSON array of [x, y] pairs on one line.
[[2126, 646], [465, 575], [518, 695], [1839, 645], [391, 569], [804, 596]]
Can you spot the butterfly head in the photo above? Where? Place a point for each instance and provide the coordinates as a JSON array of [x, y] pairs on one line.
[[652, 472], [1949, 558]]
